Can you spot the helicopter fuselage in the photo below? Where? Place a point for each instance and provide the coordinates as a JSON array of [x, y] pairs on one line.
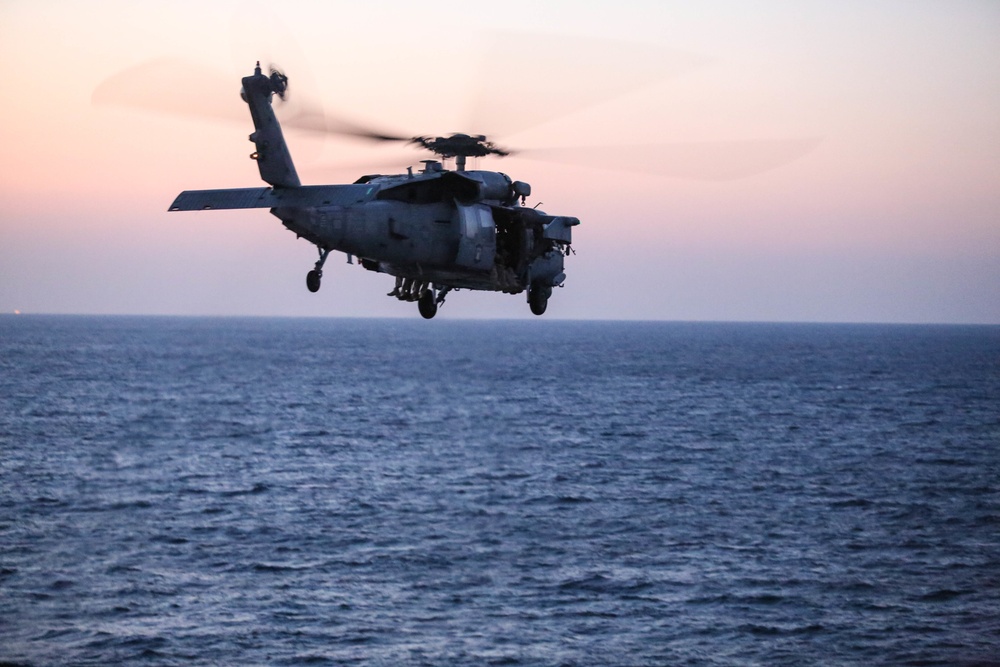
[[440, 227], [435, 231]]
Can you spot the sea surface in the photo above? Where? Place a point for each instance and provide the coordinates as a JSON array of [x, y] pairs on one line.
[[218, 491]]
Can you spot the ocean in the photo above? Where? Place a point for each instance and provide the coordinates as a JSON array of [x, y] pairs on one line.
[[206, 491]]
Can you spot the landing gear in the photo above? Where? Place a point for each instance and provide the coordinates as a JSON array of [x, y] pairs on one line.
[[315, 277], [538, 298], [427, 304]]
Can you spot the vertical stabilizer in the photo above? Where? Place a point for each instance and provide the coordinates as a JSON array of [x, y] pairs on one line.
[[272, 156]]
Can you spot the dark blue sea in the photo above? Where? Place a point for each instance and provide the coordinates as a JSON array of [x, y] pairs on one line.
[[185, 491]]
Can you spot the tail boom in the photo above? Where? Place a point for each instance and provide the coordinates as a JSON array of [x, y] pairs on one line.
[[272, 156]]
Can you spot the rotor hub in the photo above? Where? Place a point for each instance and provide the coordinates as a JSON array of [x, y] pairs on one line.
[[460, 145]]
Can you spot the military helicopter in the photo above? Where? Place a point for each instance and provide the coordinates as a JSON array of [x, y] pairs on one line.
[[435, 231]]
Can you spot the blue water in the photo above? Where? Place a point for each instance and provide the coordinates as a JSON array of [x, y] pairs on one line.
[[267, 491]]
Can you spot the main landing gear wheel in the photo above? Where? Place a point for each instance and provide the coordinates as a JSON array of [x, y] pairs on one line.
[[427, 304], [313, 279], [538, 299]]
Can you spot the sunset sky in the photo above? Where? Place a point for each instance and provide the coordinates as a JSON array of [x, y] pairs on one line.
[[889, 213]]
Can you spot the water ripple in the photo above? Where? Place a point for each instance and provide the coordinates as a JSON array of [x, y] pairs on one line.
[[219, 491]]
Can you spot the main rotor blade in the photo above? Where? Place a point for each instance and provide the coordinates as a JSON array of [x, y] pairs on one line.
[[174, 86], [529, 79], [704, 161], [311, 117], [697, 160], [260, 31]]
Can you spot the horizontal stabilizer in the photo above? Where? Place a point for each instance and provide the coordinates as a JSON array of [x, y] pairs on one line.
[[305, 196], [205, 200]]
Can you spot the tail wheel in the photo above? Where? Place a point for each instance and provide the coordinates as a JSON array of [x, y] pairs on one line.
[[427, 304], [538, 299]]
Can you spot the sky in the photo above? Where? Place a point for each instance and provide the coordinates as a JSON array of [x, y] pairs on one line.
[[886, 210]]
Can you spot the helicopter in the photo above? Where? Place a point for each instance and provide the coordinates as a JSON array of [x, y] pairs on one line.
[[435, 231]]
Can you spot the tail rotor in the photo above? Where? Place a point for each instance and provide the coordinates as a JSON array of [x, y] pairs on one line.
[[279, 82]]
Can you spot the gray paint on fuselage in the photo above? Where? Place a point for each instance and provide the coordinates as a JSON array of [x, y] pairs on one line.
[[394, 232]]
